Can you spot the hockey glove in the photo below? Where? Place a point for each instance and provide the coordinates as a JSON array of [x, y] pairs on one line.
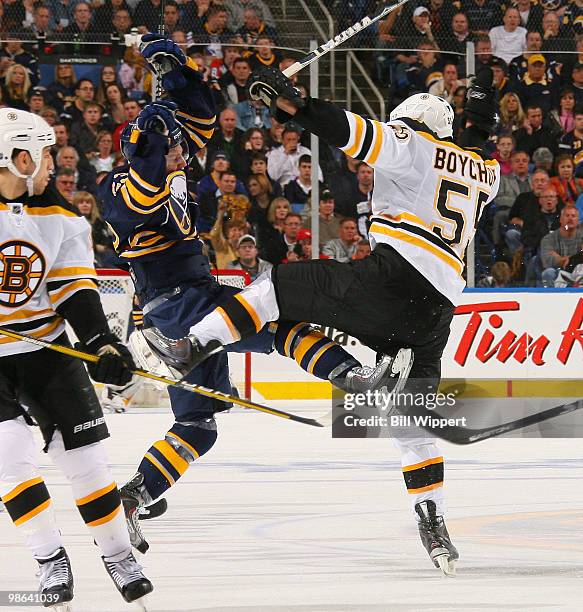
[[162, 53], [268, 83], [158, 117], [115, 361], [480, 106]]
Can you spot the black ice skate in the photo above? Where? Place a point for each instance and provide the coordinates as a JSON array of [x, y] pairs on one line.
[[127, 575], [134, 498], [183, 354], [389, 375], [158, 508], [56, 581], [435, 538]]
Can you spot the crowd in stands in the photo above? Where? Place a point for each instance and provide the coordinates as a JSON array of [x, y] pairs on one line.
[[253, 181]]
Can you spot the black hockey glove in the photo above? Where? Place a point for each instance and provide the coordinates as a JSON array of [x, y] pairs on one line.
[[162, 53], [115, 361], [480, 106], [268, 83]]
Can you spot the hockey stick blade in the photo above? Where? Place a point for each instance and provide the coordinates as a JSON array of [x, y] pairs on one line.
[[341, 38], [463, 435], [212, 393]]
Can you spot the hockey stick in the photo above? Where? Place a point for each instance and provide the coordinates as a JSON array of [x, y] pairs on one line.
[[340, 38], [218, 395]]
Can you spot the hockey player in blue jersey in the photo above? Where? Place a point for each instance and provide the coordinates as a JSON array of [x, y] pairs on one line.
[[147, 206]]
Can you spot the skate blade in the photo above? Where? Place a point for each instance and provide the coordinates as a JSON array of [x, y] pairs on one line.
[[446, 565], [62, 607], [141, 603]]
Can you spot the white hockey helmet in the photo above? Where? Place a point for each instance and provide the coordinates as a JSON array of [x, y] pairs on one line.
[[20, 129], [435, 112]]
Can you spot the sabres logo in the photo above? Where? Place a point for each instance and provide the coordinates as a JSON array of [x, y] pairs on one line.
[[22, 267]]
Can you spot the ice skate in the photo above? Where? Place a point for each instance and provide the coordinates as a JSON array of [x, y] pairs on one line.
[[56, 581], [389, 375], [435, 538], [127, 575], [183, 354], [134, 498], [158, 508]]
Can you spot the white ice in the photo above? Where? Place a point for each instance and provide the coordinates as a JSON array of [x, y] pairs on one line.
[[280, 517]]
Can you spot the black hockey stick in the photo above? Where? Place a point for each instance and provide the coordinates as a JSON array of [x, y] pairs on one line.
[[466, 435], [342, 37], [218, 395]]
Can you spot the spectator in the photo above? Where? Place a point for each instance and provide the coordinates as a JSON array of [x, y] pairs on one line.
[[114, 105], [16, 86], [227, 138], [456, 39], [575, 58], [535, 89], [107, 77], [501, 82], [577, 83], [423, 74], [41, 21], [103, 158], [236, 91], [147, 15], [362, 250], [531, 15], [65, 183], [561, 249], [328, 222], [537, 226], [283, 162], [68, 157], [171, 16], [519, 65], [512, 117], [221, 66], [356, 194], [84, 95], [13, 53], [446, 85], [511, 186], [503, 153], [269, 227], [564, 117], [194, 14], [483, 14], [483, 51], [279, 245], [62, 90], [261, 193], [252, 114], [133, 75], [534, 134], [121, 24], [343, 248], [525, 205], [237, 7], [105, 256], [50, 115], [81, 30], [247, 258], [566, 185], [238, 204], [264, 54], [500, 276], [252, 141], [224, 237], [132, 110], [508, 40], [104, 14], [553, 42], [459, 99], [36, 100], [543, 159], [209, 184], [303, 249], [253, 27], [298, 190], [572, 143], [259, 166], [84, 134], [215, 31]]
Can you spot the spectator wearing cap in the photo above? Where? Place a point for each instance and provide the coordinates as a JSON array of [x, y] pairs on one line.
[[519, 64], [572, 143], [247, 258], [535, 134], [509, 39], [36, 100], [343, 248], [228, 137], [483, 14], [562, 248], [283, 161], [298, 190], [328, 222], [536, 88], [413, 33]]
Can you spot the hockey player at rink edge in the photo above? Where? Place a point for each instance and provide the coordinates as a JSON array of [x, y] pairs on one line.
[[404, 293], [47, 278], [148, 208]]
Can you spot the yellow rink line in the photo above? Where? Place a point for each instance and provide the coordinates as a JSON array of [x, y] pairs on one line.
[[282, 390]]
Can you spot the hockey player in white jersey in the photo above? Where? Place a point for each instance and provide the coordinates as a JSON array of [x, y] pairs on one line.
[[47, 278], [429, 194]]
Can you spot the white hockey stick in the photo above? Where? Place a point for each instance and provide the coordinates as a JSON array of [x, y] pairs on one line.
[[340, 38]]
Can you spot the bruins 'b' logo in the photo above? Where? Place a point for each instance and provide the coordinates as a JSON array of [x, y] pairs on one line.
[[22, 267]]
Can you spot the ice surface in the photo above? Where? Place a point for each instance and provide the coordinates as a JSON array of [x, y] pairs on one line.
[[280, 517]]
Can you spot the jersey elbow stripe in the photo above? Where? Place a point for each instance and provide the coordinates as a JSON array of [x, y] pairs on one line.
[[101, 506], [147, 201], [142, 182], [202, 120], [27, 500], [377, 143], [68, 290], [134, 205], [356, 134]]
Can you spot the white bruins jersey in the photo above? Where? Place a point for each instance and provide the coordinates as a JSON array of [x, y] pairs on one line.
[[428, 196], [45, 257]]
